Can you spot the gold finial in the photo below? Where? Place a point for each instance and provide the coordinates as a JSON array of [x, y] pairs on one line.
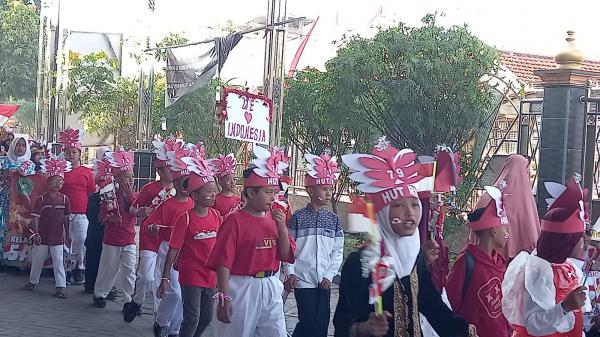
[[570, 57]]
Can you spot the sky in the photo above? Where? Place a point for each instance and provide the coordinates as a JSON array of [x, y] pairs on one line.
[[530, 26]]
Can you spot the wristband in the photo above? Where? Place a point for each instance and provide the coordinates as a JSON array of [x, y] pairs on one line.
[[34, 234], [563, 308], [166, 279], [221, 297]]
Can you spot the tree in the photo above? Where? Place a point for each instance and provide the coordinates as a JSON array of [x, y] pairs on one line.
[[319, 116], [195, 116], [19, 27], [106, 103], [419, 86], [422, 87]]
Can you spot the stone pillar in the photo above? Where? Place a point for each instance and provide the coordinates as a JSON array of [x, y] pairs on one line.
[[563, 121]]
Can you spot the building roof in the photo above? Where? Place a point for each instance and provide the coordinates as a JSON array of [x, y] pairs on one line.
[[523, 65]]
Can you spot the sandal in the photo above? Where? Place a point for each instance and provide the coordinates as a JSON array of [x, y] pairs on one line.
[[60, 294], [29, 286]]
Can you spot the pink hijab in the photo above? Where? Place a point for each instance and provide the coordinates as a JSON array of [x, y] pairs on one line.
[[520, 206]]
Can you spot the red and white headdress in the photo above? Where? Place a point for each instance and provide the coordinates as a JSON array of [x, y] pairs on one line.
[[200, 172], [178, 167], [269, 165], [102, 171], [322, 170], [386, 174], [120, 161], [161, 148], [55, 167], [223, 165], [571, 199], [71, 138], [494, 214]]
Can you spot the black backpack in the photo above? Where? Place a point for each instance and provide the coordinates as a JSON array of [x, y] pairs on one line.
[[469, 266]]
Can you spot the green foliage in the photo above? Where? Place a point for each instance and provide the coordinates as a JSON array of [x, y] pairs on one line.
[[106, 103], [25, 115], [172, 39], [419, 86], [195, 116], [19, 26], [318, 116]]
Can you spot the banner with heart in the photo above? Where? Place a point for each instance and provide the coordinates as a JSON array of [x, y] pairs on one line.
[[247, 117]]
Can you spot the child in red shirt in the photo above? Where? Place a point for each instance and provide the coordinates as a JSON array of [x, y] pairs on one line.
[[118, 245], [250, 246], [50, 226], [474, 287], [192, 238], [149, 198], [224, 169]]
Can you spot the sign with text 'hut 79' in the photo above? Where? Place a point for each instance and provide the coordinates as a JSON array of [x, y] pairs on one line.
[[247, 117]]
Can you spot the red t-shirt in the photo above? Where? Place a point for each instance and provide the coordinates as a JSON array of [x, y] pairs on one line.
[[195, 237], [165, 216], [225, 204], [79, 184], [481, 305], [119, 233], [51, 212], [149, 197], [247, 244]]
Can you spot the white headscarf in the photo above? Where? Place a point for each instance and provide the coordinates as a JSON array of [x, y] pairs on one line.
[[11, 150], [403, 250]]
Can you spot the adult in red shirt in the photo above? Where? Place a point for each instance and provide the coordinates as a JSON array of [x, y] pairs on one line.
[[149, 198], [474, 285], [118, 245], [79, 185], [192, 239], [224, 170], [251, 244]]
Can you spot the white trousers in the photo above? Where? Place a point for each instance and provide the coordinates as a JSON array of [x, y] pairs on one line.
[[78, 225], [257, 308], [170, 309], [145, 280], [116, 261], [38, 256]]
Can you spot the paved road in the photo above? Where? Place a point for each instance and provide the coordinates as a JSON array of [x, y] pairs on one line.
[[27, 314]]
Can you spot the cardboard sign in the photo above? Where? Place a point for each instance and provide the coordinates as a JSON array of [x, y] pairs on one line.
[[247, 116]]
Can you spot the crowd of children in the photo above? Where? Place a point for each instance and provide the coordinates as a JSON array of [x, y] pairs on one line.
[[204, 253]]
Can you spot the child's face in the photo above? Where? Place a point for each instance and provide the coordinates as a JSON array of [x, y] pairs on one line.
[[320, 194], [125, 177], [165, 174], [20, 147], [261, 199], [72, 154], [227, 183], [205, 195], [500, 236], [55, 183]]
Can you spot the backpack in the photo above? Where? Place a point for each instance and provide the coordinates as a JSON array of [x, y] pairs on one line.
[[469, 267]]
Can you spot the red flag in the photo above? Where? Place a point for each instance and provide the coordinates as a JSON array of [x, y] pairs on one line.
[[301, 50], [7, 111]]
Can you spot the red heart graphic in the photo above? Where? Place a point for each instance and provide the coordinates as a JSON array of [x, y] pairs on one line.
[[248, 116]]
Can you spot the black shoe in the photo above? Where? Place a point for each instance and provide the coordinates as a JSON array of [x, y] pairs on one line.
[[77, 277], [160, 331], [130, 311], [99, 302], [112, 294]]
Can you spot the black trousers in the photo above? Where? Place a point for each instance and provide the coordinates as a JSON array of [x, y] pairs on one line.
[[313, 312], [93, 250]]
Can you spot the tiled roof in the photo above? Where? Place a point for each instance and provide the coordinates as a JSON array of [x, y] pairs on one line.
[[523, 65]]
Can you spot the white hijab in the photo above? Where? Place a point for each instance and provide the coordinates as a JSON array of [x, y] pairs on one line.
[[11, 150], [403, 250]]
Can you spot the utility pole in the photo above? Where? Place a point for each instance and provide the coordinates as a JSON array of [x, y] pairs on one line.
[[51, 130], [274, 64]]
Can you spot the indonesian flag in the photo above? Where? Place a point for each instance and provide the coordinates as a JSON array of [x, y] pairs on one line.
[[426, 170], [7, 111], [358, 218]]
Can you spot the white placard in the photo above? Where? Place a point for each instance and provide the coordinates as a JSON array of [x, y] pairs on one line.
[[248, 116]]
